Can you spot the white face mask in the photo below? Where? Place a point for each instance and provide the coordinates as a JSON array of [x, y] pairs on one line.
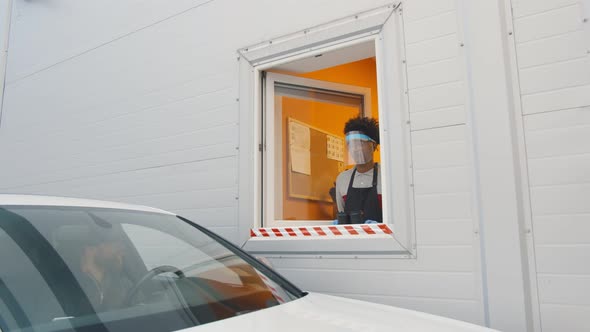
[[360, 148]]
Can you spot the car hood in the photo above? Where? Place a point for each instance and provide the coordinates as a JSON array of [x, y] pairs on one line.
[[318, 312]]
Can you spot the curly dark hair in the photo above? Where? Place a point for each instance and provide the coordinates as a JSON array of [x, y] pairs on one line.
[[367, 126]]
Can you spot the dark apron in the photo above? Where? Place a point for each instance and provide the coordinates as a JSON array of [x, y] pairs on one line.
[[362, 204]]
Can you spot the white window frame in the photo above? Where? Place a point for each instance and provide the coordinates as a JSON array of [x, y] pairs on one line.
[[397, 181]]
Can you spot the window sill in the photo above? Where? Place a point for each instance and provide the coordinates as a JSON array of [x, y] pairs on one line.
[[338, 240]]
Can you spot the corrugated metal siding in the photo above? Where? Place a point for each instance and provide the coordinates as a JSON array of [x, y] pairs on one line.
[[554, 65]]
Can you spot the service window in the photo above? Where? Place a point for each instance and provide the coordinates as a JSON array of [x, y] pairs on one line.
[[332, 131]]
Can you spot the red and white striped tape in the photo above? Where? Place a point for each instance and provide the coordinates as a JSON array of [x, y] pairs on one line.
[[321, 231]]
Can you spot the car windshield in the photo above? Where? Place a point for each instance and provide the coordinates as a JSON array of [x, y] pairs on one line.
[[92, 269]]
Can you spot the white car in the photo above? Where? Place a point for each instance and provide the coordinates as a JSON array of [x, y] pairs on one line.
[[82, 265]]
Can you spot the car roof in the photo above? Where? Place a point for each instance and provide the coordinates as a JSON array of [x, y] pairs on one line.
[[40, 200]]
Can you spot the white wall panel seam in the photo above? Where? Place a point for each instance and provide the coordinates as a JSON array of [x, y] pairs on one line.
[[441, 220], [140, 142], [561, 185], [158, 108], [527, 69], [574, 214], [451, 193], [151, 125], [159, 165], [417, 88], [445, 299], [430, 62], [545, 64], [445, 220], [531, 94], [567, 46], [460, 123], [438, 108], [146, 181], [518, 17], [524, 185], [431, 39], [446, 246], [585, 275], [123, 197], [388, 272], [567, 305], [413, 21], [111, 173], [412, 297], [221, 207], [412, 67], [525, 115]]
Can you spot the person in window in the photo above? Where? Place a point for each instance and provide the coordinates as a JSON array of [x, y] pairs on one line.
[[358, 190]]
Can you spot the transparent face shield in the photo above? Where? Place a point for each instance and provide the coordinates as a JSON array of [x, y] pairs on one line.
[[360, 148]]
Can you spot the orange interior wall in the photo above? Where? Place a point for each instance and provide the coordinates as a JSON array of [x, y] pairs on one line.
[[361, 73]]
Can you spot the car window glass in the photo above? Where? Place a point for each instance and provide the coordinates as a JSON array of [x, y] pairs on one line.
[[157, 248], [67, 267]]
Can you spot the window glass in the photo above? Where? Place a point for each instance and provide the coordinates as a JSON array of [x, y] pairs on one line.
[[308, 122], [157, 248], [67, 268]]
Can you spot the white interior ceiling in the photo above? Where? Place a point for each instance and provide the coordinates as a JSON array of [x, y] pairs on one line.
[[330, 59]]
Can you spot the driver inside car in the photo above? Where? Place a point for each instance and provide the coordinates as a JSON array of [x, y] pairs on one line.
[[97, 263]]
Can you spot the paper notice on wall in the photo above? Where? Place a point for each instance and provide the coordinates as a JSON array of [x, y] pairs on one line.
[[299, 135], [335, 148], [300, 160]]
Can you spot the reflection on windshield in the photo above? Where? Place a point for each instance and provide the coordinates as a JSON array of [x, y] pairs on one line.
[[74, 268]]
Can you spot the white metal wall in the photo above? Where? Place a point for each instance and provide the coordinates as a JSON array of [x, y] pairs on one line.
[[552, 40]]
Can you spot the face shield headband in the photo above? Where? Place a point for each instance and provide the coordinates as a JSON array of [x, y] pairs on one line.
[[357, 135]]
